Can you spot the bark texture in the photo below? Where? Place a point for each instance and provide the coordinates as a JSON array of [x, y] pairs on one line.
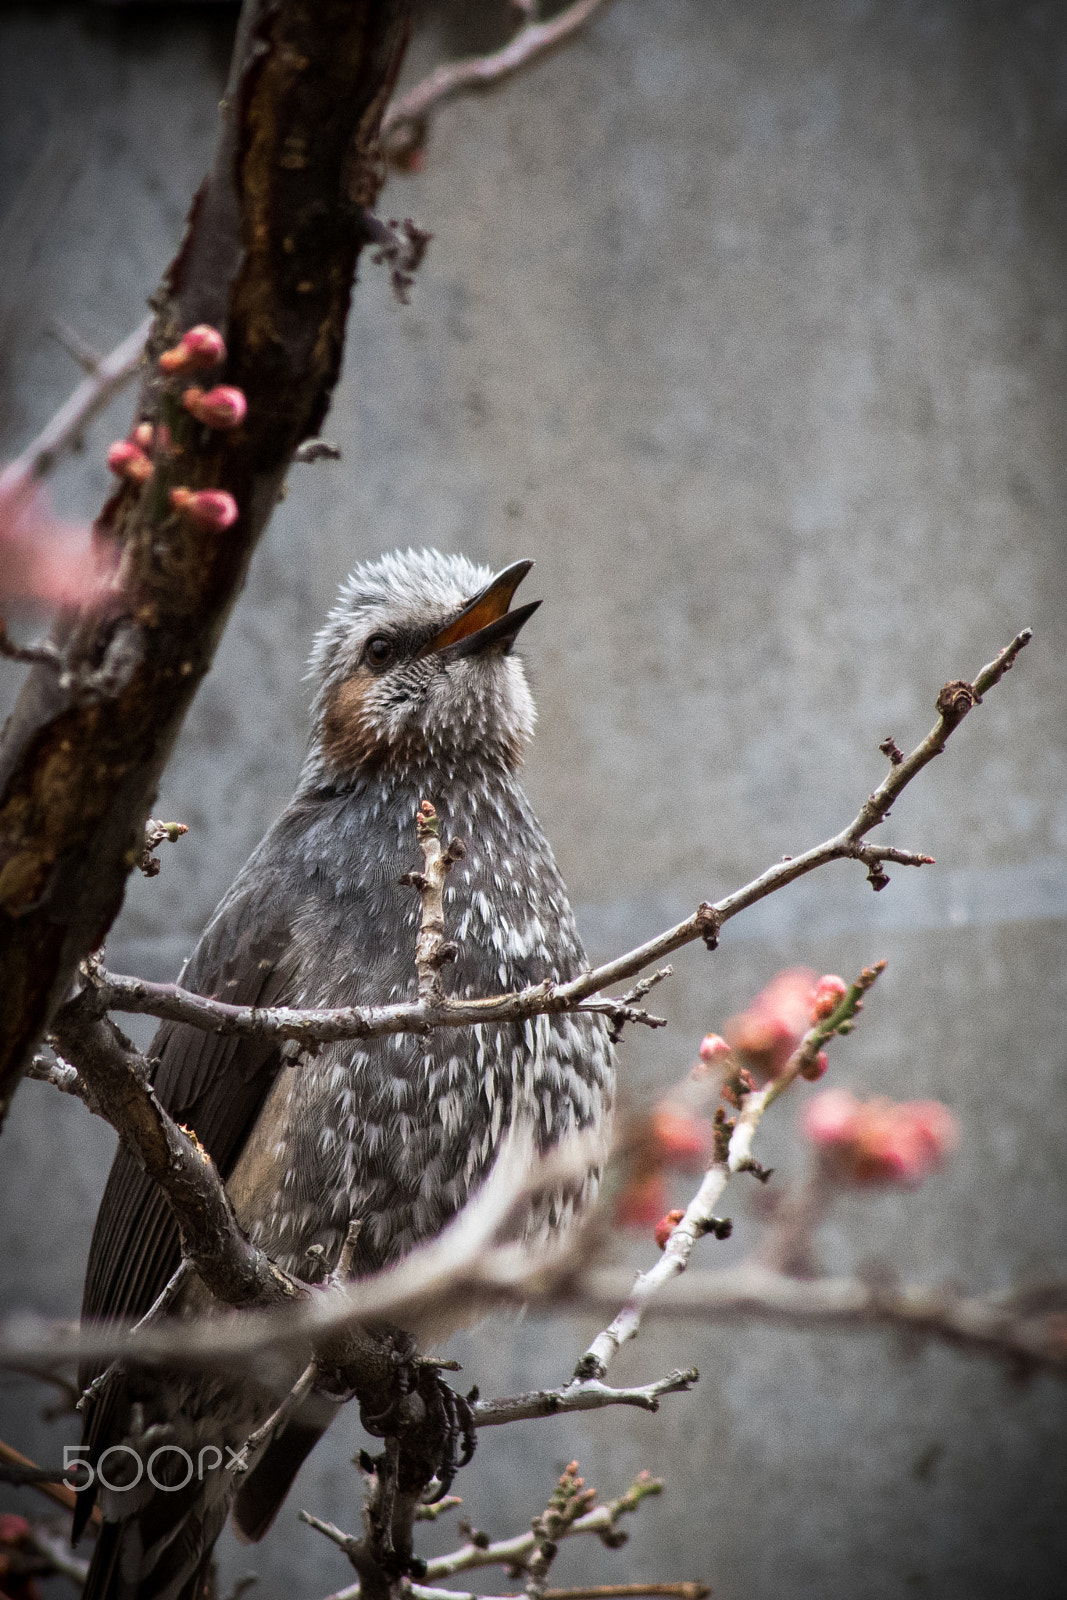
[[269, 258]]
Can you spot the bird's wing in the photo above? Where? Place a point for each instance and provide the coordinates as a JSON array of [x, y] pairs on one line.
[[211, 1083]]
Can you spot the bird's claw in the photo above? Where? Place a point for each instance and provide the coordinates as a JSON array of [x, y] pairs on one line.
[[434, 1424]]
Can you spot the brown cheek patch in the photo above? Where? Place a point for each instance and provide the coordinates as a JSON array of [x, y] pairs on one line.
[[347, 738]]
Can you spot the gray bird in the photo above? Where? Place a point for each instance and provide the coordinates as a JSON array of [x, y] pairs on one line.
[[419, 696]]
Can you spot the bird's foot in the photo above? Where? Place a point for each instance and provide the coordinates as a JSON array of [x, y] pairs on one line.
[[434, 1424]]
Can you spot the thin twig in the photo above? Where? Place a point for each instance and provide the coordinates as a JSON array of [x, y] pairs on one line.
[[61, 1493], [420, 1016], [588, 1396], [601, 1520], [113, 372], [42, 654], [406, 117]]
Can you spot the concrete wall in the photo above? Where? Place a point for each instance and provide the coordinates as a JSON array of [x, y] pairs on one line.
[[745, 319]]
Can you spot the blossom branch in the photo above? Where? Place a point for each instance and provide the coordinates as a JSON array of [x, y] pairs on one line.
[[77, 777], [699, 1217]]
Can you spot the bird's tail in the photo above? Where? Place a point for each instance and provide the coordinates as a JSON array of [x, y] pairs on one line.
[[163, 1552]]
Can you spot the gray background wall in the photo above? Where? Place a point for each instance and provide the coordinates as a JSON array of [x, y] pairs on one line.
[[745, 319]]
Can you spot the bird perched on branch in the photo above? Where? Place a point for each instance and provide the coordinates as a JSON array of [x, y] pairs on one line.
[[420, 696]]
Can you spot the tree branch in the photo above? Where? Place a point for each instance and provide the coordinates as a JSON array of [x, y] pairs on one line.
[[430, 1011], [515, 1553], [405, 122], [66, 429], [1026, 1336], [591, 1395], [213, 1242], [269, 257]]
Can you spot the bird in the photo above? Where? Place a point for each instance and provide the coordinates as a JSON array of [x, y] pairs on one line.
[[419, 695]]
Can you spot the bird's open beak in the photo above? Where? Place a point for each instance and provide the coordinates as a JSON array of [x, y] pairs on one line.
[[485, 620]]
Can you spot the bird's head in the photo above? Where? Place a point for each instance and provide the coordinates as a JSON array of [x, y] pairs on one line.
[[415, 664]]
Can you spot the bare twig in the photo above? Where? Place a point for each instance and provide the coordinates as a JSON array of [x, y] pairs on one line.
[[405, 121], [317, 450], [80, 350], [591, 1395], [516, 1554], [1001, 1326], [111, 375], [582, 993], [601, 1520], [42, 654], [61, 1493]]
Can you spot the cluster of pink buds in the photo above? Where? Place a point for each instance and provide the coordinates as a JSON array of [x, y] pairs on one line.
[[211, 509], [766, 1034], [879, 1142], [222, 408], [199, 350]]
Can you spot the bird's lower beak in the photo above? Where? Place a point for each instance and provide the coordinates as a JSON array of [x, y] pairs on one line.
[[485, 620]]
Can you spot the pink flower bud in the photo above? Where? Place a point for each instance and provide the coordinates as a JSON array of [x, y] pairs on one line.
[[205, 346], [222, 407], [813, 1070], [774, 1023], [713, 1047], [128, 461], [666, 1226], [829, 993], [144, 435], [198, 350], [208, 508]]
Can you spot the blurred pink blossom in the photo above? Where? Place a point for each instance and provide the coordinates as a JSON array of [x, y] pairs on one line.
[[43, 561], [877, 1142]]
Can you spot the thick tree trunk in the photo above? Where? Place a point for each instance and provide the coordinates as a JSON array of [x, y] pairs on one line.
[[269, 258]]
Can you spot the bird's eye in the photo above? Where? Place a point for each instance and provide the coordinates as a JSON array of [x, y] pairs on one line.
[[379, 649]]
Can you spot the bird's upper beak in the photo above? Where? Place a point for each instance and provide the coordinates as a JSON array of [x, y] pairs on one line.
[[485, 620]]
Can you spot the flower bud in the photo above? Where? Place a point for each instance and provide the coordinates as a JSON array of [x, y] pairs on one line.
[[813, 1070], [713, 1047], [666, 1226], [829, 993], [127, 460], [222, 407], [144, 435], [198, 350], [208, 508]]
